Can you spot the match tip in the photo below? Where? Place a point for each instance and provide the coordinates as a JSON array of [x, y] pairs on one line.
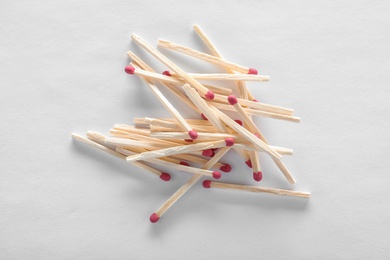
[[166, 73], [129, 69], [255, 100], [165, 176], [232, 100], [238, 121], [193, 134], [188, 140], [257, 176], [249, 163], [229, 141], [206, 184], [209, 95], [257, 135], [208, 153], [216, 175], [184, 163], [226, 168], [154, 218], [203, 116], [252, 71]]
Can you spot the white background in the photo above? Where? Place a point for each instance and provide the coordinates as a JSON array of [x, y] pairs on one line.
[[62, 72]]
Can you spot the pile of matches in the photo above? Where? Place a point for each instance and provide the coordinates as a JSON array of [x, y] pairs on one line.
[[180, 143]]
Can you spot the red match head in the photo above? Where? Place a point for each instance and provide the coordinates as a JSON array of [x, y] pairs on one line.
[[129, 69], [257, 135], [238, 121], [255, 100], [252, 71], [166, 73], [249, 163], [184, 163], [229, 141], [216, 175], [208, 153], [165, 176], [206, 184], [203, 116], [154, 218], [226, 168], [232, 100], [193, 134], [209, 95], [257, 176]]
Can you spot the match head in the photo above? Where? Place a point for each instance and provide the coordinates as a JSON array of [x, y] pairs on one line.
[[249, 163], [154, 218], [238, 121], [206, 184], [257, 135], [232, 100], [184, 163], [165, 176], [208, 153], [129, 69], [257, 176], [252, 71], [209, 95], [216, 175], [166, 73], [229, 141], [203, 116], [255, 100], [193, 134], [226, 168]]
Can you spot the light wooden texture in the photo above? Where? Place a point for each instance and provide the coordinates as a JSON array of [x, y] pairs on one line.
[[116, 154], [194, 179], [169, 64], [131, 129], [181, 135], [244, 92], [203, 56], [195, 159], [176, 150], [222, 185], [223, 76]]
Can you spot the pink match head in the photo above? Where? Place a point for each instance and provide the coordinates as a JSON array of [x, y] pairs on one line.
[[209, 95], [252, 71], [226, 168], [238, 121], [232, 100], [203, 116], [154, 218], [166, 73], [249, 163], [129, 69], [216, 175], [188, 140], [208, 153], [229, 141], [193, 134], [165, 176], [255, 100], [257, 135], [206, 184], [184, 163], [257, 176]]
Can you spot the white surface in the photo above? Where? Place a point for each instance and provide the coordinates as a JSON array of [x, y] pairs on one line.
[[62, 72]]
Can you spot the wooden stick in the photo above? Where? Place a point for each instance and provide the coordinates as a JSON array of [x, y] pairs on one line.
[[220, 76], [225, 167], [201, 136], [206, 57], [220, 185], [206, 92], [180, 149], [163, 175], [183, 189]]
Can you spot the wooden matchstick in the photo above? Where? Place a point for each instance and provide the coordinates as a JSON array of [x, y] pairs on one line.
[[163, 175], [183, 189], [220, 185], [206, 92], [206, 57], [216, 76]]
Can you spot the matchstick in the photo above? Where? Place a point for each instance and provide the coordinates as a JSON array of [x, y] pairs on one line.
[[206, 92], [225, 167], [217, 76], [163, 175], [206, 57], [183, 189], [220, 185]]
